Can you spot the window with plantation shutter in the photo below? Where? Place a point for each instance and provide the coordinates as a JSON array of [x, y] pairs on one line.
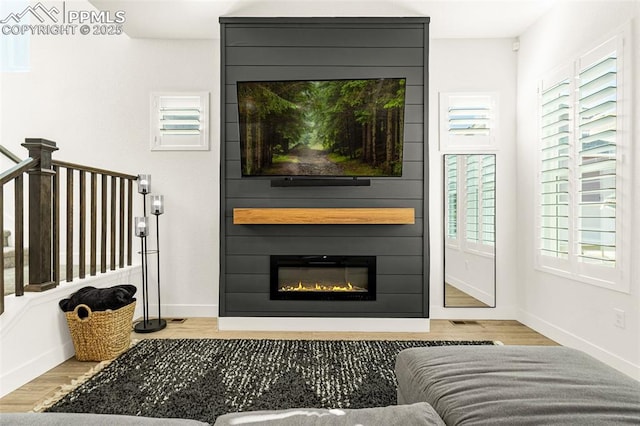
[[179, 121], [470, 184], [468, 121], [582, 139]]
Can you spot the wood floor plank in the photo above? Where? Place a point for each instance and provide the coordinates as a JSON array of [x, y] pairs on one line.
[[47, 385]]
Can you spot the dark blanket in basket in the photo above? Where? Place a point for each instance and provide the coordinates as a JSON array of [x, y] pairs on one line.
[[100, 299]]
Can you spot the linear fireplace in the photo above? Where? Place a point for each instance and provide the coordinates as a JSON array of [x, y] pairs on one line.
[[323, 277]]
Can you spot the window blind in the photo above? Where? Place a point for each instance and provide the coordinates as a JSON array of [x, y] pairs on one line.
[[469, 120], [556, 124], [472, 180], [179, 121], [452, 195], [597, 122], [180, 115], [488, 181]]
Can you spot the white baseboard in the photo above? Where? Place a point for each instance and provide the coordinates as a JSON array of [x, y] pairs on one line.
[[566, 338], [407, 325], [183, 311], [35, 367], [480, 313]]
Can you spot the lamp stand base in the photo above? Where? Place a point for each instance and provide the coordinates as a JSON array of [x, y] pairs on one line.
[[150, 326]]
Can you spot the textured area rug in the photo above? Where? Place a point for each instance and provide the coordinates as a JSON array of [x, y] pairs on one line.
[[202, 379]]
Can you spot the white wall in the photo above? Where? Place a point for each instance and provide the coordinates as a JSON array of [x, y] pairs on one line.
[[90, 94], [479, 65], [471, 273], [573, 313]]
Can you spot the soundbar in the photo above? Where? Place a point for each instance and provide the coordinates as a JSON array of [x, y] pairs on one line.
[[319, 182]]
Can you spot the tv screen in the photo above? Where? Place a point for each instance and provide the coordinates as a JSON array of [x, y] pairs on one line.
[[321, 128]]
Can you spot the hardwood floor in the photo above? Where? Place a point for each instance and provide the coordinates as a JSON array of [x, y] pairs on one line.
[[457, 298], [30, 395]]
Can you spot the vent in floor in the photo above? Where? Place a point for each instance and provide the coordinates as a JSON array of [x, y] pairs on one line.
[[464, 322], [178, 320]]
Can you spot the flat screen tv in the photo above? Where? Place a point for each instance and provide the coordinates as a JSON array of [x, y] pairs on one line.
[[320, 128]]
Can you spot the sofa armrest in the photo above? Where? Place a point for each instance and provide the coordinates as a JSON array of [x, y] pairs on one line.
[[84, 419], [523, 385]]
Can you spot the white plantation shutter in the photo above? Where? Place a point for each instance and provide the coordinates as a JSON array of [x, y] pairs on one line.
[[468, 121], [470, 182], [472, 189], [488, 199], [451, 176], [597, 123], [465, 120], [179, 121], [556, 123], [582, 176]]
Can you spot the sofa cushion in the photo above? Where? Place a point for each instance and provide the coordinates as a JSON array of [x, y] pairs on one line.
[[84, 419], [521, 385], [414, 414]]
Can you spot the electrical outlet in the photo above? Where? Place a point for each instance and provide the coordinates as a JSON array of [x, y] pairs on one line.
[[619, 318]]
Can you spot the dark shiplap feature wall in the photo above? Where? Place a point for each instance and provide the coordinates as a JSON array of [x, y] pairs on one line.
[[325, 48]]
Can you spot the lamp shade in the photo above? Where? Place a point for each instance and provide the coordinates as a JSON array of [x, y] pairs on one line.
[[142, 226], [144, 184], [157, 204]]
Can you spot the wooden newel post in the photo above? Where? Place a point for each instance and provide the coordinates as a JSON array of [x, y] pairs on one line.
[[40, 219]]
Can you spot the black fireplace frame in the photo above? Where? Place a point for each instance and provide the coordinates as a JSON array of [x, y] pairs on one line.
[[368, 262]]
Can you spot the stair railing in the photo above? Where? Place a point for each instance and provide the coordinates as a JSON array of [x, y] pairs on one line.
[[15, 174], [45, 175]]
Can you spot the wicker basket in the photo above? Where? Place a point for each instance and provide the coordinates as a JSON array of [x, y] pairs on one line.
[[101, 335]]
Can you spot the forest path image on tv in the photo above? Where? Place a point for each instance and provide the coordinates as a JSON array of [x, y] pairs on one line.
[[306, 161], [322, 128]]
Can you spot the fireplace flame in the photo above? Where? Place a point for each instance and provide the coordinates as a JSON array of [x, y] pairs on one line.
[[322, 287]]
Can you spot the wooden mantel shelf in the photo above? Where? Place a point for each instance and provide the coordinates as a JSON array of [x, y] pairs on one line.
[[323, 216]]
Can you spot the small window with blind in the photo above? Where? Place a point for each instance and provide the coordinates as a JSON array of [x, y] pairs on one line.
[[180, 121], [468, 121], [583, 134]]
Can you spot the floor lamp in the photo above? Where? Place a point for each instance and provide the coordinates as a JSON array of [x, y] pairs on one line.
[[148, 325]]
